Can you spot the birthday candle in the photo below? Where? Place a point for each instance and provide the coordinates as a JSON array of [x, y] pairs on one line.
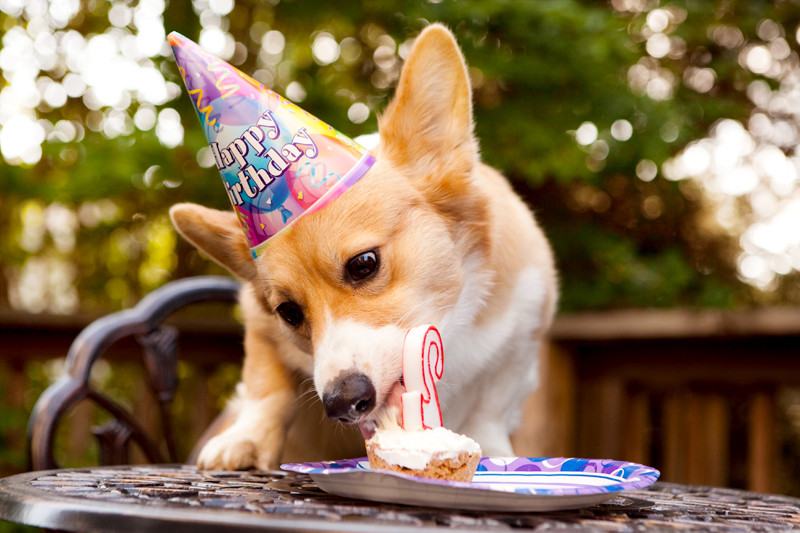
[[423, 366]]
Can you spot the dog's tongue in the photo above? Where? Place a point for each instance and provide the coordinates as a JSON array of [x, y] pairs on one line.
[[367, 428], [390, 413]]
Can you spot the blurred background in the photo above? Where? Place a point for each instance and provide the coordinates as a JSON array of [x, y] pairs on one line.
[[657, 143]]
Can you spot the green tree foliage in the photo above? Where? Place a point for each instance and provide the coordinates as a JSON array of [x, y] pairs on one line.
[[552, 82]]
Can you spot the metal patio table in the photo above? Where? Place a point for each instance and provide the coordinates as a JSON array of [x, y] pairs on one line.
[[176, 499]]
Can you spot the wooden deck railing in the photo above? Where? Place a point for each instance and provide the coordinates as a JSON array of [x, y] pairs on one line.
[[694, 393]]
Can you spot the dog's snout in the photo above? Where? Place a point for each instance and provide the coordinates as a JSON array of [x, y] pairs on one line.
[[350, 397]]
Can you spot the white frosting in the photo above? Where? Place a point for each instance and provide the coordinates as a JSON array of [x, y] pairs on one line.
[[415, 449]]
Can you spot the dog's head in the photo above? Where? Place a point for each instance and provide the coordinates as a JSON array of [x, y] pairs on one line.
[[349, 280]]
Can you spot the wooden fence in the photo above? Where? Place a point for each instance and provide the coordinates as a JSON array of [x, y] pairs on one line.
[[695, 394]]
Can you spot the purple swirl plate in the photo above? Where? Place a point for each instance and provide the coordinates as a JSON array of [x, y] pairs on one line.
[[500, 484]]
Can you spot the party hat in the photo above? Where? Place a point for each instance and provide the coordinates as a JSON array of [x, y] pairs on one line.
[[278, 162]]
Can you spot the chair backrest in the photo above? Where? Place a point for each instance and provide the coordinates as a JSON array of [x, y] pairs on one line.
[[159, 343]]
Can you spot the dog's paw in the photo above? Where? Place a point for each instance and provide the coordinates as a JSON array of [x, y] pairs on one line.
[[236, 451]]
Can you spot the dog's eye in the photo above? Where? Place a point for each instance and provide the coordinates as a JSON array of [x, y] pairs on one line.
[[362, 266], [291, 313]]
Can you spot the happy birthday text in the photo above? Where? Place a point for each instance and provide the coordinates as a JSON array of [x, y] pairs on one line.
[[253, 180]]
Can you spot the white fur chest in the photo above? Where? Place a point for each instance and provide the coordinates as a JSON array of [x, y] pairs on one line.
[[504, 349]]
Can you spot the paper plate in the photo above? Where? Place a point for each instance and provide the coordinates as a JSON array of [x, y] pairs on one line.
[[500, 484]]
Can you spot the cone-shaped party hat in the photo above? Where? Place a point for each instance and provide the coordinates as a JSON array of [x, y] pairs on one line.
[[278, 162]]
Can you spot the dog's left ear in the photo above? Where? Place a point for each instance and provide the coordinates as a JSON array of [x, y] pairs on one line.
[[428, 125], [218, 235]]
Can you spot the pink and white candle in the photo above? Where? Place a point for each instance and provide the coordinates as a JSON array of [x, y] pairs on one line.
[[423, 366]]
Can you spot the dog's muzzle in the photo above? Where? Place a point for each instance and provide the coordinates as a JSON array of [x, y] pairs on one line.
[[349, 398]]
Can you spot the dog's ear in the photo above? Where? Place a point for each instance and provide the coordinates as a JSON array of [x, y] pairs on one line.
[[428, 125], [218, 235]]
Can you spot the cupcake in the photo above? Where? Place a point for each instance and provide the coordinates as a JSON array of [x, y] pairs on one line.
[[431, 453]]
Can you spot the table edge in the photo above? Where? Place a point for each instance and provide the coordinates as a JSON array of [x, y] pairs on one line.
[[24, 504]]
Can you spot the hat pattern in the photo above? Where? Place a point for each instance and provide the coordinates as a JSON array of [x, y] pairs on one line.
[[278, 162]]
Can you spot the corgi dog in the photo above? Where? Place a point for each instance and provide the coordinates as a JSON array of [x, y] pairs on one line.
[[429, 235]]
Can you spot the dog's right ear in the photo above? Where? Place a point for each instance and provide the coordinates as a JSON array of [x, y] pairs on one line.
[[218, 235], [428, 124]]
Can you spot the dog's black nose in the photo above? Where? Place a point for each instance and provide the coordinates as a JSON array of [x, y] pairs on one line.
[[349, 397]]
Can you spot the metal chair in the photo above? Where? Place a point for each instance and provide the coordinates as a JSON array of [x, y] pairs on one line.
[[159, 349]]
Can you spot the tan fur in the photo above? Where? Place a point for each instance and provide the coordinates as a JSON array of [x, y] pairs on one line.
[[216, 233], [513, 244], [430, 208]]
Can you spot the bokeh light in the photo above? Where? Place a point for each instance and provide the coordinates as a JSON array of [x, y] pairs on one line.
[[296, 92], [646, 170], [110, 72], [586, 133], [621, 130], [358, 113], [169, 128], [325, 49], [734, 163]]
